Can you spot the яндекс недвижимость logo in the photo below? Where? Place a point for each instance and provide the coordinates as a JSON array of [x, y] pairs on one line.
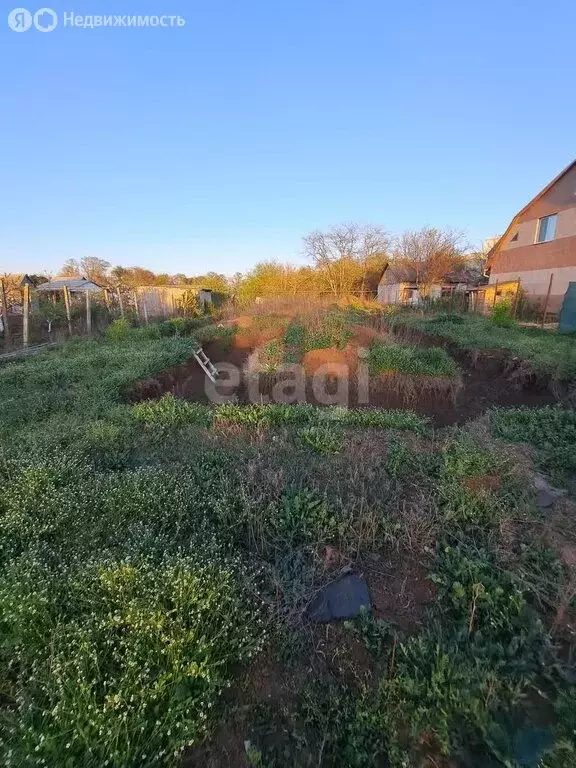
[[21, 20], [46, 19]]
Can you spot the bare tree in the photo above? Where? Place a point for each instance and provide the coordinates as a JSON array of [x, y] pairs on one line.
[[432, 253], [95, 269], [71, 268], [92, 267], [345, 253]]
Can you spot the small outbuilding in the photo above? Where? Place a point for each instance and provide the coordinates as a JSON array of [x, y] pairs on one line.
[[399, 285], [73, 284]]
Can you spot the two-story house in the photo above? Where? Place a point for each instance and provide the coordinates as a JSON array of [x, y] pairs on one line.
[[540, 243]]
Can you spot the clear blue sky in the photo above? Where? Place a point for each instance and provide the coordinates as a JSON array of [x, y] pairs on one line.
[[215, 145]]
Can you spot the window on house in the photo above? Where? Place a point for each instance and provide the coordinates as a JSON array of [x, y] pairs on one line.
[[546, 229], [513, 239]]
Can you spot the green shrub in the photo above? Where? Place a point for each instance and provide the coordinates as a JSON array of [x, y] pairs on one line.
[[295, 335], [445, 700], [331, 331], [304, 518], [119, 330], [352, 735], [223, 335], [502, 314], [563, 754], [180, 326]]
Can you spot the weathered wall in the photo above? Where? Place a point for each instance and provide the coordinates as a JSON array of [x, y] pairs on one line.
[[397, 293], [535, 283], [390, 294]]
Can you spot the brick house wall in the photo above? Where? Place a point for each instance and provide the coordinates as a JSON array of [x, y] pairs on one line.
[[533, 263]]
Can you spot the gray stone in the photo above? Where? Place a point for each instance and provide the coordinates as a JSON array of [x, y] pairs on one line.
[[545, 499], [547, 495], [342, 599]]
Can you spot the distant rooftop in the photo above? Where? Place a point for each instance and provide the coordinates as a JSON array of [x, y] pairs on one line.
[[74, 285]]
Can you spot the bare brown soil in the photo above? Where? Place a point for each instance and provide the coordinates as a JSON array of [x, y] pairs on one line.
[[363, 335], [487, 380], [400, 589], [482, 483], [331, 361]]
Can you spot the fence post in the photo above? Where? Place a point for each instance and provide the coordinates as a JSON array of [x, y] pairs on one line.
[[67, 305], [7, 336], [516, 299], [135, 296], [120, 302], [88, 314], [26, 315], [547, 299]]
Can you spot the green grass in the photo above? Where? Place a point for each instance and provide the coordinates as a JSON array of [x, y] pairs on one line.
[[324, 439], [149, 552], [546, 350], [171, 411], [272, 356], [413, 361], [306, 334], [550, 430], [82, 379]]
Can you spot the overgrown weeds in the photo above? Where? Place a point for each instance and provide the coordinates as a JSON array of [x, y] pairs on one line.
[[415, 361], [171, 411], [550, 430], [147, 552], [545, 350]]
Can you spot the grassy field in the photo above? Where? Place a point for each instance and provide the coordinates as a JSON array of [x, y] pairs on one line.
[[546, 350], [156, 562]]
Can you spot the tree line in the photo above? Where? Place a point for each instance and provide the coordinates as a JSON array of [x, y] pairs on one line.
[[102, 273], [347, 259]]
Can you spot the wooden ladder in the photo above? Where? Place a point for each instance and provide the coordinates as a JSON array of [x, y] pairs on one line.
[[205, 363]]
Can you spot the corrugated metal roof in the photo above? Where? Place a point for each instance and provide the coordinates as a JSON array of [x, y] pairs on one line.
[[74, 285]]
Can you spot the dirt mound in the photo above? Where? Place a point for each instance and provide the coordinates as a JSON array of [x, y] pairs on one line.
[[243, 322], [364, 336], [332, 362], [252, 333]]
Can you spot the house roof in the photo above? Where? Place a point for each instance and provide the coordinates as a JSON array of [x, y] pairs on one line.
[[74, 285], [496, 247], [402, 273], [398, 273]]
